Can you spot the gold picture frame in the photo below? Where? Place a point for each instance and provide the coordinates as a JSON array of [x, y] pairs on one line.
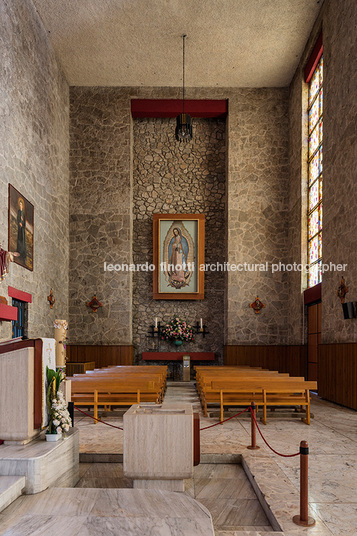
[[178, 251]]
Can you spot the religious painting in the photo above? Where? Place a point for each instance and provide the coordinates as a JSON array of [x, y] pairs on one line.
[[179, 245], [21, 228]]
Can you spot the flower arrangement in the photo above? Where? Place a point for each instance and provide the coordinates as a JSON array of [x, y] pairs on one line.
[[177, 330], [59, 419]]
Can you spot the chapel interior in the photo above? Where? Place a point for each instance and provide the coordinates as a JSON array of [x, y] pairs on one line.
[[178, 277]]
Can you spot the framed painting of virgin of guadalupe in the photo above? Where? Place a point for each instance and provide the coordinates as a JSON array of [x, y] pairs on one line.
[[21, 228], [179, 248]]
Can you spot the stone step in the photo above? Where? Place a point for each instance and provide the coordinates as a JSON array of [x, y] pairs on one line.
[[11, 488]]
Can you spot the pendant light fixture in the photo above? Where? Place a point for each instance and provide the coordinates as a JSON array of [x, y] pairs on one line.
[[183, 131]]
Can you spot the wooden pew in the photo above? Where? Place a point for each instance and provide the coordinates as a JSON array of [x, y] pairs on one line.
[[241, 385], [110, 393], [119, 386], [271, 391]]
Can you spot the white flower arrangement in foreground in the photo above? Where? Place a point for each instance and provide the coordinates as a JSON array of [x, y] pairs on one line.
[[59, 415]]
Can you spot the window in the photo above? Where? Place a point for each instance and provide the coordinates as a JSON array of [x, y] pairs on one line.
[[19, 326], [315, 175]]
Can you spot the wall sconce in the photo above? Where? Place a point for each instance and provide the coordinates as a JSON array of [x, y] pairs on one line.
[[51, 299], [257, 305], [94, 304], [201, 328]]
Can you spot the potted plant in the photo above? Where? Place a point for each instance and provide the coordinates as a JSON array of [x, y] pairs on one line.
[[59, 419], [177, 331]]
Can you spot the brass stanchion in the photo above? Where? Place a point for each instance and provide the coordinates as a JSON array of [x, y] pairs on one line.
[[303, 519], [253, 414]]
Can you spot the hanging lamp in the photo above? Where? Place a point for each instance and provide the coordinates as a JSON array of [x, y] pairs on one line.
[[183, 131]]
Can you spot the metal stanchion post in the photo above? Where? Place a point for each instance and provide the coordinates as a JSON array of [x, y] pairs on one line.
[[253, 414], [303, 519]]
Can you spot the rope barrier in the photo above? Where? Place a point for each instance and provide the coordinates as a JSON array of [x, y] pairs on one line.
[[95, 419], [267, 444], [221, 422]]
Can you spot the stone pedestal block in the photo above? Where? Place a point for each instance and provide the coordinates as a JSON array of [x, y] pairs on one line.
[[158, 445]]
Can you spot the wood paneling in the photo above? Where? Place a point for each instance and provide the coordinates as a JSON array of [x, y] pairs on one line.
[[291, 359], [338, 373], [103, 356]]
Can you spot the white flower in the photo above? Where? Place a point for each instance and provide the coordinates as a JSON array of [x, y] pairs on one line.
[[56, 422], [59, 430]]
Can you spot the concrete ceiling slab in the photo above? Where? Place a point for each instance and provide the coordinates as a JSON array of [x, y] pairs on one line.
[[231, 43]]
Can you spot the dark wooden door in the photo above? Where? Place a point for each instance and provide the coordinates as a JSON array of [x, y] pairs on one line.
[[313, 340]]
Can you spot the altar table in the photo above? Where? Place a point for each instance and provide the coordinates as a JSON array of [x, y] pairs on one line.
[[177, 356]]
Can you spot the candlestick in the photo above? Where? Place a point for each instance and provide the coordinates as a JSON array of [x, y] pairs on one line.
[[201, 323], [156, 319]]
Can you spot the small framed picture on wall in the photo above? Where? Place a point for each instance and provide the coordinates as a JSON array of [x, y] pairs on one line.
[[21, 228], [179, 248]]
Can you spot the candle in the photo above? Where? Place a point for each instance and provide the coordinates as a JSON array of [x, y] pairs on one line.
[[156, 322], [201, 323]]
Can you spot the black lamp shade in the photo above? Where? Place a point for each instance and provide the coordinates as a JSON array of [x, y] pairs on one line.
[[183, 131]]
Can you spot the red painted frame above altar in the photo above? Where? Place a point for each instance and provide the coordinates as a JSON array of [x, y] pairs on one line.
[[177, 356]]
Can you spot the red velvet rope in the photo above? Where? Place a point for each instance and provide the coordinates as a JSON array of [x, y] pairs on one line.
[[211, 426], [221, 422], [94, 418], [265, 441]]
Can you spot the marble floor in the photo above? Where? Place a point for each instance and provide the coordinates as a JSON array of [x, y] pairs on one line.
[[106, 512], [332, 438], [223, 488]]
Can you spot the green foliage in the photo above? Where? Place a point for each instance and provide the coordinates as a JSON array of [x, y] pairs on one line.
[[57, 375], [54, 379]]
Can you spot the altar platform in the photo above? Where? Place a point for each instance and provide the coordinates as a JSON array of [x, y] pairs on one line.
[[43, 464]]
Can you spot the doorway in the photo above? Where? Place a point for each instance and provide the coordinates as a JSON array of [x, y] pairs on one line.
[[313, 340]]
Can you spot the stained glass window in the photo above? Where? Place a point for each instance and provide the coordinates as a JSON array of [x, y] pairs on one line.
[[315, 175]]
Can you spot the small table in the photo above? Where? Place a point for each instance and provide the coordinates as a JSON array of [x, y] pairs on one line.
[[79, 368]]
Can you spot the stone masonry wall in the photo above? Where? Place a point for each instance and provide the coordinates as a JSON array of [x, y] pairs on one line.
[[337, 20], [100, 215], [257, 215], [34, 152], [102, 190], [170, 177]]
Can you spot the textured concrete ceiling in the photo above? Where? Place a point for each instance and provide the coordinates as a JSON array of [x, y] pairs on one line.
[[231, 43]]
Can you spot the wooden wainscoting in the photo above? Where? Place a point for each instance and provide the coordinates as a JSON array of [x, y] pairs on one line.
[[338, 373], [102, 355], [284, 358]]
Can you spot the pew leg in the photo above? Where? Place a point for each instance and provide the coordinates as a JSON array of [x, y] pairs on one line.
[[307, 418], [205, 409], [95, 412], [222, 407], [95, 408], [264, 418]]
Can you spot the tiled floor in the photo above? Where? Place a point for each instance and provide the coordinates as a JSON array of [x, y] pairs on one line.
[[105, 512], [223, 488], [332, 438]]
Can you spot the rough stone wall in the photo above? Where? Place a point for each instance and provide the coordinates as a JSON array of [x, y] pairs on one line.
[[257, 215], [337, 20], [340, 165], [256, 175], [100, 215], [179, 178], [34, 152]]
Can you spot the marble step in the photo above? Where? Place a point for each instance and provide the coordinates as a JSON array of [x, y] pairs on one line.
[[11, 488]]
